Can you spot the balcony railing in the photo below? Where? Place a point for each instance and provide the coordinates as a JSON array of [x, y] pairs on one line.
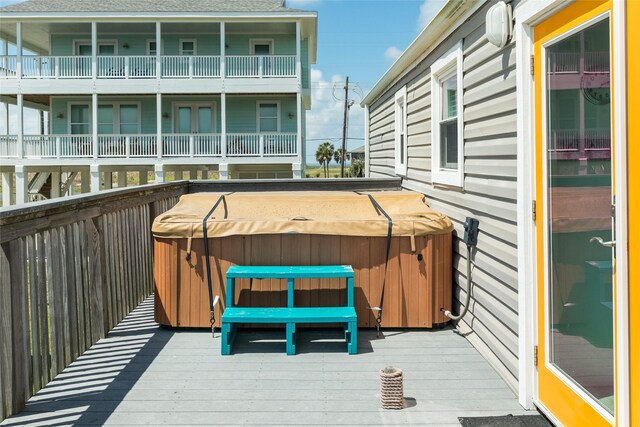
[[191, 145], [144, 67], [569, 140], [261, 66], [569, 62], [262, 145], [145, 145]]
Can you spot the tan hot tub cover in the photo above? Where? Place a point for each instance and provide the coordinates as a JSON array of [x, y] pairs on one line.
[[318, 212]]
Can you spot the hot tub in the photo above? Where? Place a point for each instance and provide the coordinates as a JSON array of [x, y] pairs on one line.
[[306, 228]]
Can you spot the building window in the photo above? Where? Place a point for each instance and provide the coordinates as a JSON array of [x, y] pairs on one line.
[[129, 119], [105, 119], [447, 156], [79, 119], [187, 47], [268, 117], [401, 131]]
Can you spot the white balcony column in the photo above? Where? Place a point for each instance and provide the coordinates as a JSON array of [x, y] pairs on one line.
[[159, 124], [223, 51], [94, 50], [158, 50], [296, 169], [159, 172], [223, 171], [193, 174], [298, 54], [122, 179], [55, 184], [94, 171], [299, 125], [94, 123], [22, 183], [19, 50], [20, 123], [7, 188], [142, 177], [223, 124]]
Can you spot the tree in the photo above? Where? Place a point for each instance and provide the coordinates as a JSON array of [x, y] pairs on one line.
[[324, 154], [356, 169], [340, 157]]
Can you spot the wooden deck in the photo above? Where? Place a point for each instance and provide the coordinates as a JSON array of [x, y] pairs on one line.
[[143, 374]]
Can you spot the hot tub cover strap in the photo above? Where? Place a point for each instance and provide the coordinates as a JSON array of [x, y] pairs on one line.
[[207, 261], [386, 260]]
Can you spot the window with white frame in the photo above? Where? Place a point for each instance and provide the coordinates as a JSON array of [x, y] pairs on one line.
[[118, 118], [79, 119], [268, 117], [401, 131], [187, 47], [447, 156]]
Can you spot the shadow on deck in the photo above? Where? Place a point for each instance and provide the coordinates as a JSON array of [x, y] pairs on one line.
[[144, 374]]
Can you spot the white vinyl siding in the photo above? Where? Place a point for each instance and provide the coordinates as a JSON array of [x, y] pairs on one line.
[[488, 193]]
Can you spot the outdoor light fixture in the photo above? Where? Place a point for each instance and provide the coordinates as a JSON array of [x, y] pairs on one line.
[[125, 45], [165, 115], [499, 24], [60, 116], [290, 115]]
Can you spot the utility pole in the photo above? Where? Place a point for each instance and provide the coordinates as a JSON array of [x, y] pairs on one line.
[[344, 127]]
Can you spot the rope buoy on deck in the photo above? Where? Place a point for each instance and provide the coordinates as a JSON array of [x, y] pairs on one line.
[[391, 389]]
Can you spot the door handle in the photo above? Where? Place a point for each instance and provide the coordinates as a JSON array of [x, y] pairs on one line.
[[610, 244]]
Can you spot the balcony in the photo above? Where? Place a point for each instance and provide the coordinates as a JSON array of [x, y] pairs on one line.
[[141, 146], [145, 67]]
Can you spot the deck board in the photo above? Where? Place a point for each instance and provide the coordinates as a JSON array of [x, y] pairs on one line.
[[143, 374]]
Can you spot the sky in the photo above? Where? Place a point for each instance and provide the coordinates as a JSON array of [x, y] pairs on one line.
[[356, 38]]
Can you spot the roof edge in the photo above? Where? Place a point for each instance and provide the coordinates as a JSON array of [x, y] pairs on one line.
[[429, 38]]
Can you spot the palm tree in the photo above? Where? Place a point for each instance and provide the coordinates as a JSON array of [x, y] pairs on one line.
[[339, 156], [357, 169], [324, 154]]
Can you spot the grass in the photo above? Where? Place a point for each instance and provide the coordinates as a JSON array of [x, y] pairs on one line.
[[317, 172]]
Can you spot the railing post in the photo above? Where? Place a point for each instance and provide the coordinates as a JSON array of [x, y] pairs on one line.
[[19, 52], [127, 147], [191, 145], [158, 51], [126, 67], [260, 61], [94, 50], [20, 120], [58, 147], [190, 66], [94, 124], [56, 65], [261, 145], [223, 52], [159, 124], [298, 54], [223, 124]]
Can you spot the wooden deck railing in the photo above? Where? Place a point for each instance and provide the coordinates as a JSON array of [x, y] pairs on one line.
[[70, 270]]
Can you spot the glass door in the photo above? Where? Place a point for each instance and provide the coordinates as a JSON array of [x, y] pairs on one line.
[[195, 124], [576, 248]]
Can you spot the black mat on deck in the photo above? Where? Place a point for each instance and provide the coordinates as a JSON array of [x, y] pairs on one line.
[[506, 421]]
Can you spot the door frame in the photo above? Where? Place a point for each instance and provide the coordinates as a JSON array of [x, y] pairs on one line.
[[214, 113], [528, 14]]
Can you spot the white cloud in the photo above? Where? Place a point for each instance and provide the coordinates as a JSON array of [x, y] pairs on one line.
[[428, 10], [392, 53], [324, 120]]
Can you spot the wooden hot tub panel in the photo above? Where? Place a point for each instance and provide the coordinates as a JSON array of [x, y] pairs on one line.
[[415, 290]]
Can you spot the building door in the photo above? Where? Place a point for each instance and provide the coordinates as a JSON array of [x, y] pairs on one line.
[[195, 124], [575, 218], [263, 50]]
